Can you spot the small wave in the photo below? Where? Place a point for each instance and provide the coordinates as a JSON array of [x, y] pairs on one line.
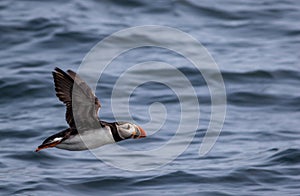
[[210, 11], [173, 177], [261, 75], [289, 157]]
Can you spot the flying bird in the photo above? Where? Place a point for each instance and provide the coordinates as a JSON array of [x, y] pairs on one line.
[[86, 130]]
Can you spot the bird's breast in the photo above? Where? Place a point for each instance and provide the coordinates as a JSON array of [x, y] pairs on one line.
[[87, 140]]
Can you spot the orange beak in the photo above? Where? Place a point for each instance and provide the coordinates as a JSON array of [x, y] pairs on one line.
[[141, 134], [43, 146]]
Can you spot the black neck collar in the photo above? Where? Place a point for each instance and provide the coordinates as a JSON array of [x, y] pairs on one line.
[[114, 130]]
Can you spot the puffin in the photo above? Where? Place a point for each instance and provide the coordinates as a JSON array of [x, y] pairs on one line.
[[86, 130]]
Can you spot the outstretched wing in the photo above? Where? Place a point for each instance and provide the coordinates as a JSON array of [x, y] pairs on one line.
[[81, 103]]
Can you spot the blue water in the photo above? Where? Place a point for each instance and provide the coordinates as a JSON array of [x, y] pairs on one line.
[[256, 45]]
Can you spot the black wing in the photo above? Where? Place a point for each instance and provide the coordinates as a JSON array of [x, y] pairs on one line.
[[82, 104]]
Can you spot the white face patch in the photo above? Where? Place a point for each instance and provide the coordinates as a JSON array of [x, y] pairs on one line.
[[126, 130], [127, 127]]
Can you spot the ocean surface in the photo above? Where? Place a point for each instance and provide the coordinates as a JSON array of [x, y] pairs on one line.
[[256, 45]]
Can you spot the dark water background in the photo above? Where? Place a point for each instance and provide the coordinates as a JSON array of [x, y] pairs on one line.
[[256, 45]]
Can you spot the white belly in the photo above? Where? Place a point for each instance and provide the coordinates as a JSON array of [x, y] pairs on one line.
[[87, 140]]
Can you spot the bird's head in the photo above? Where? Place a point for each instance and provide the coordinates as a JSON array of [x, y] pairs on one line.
[[128, 130]]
